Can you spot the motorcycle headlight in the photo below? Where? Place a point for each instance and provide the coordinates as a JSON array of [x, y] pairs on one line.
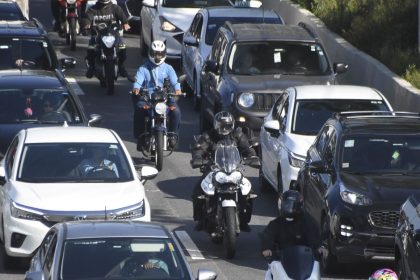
[[296, 160], [108, 41], [160, 108], [21, 212], [246, 99], [71, 2], [137, 211], [223, 178], [354, 198]]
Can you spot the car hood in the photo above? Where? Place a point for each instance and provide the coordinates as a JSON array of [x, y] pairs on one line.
[[299, 144], [78, 196], [278, 82], [392, 189], [180, 17]]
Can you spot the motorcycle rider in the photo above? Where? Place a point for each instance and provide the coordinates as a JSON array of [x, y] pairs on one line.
[[384, 274], [202, 151], [287, 229], [104, 11], [56, 11], [151, 74]]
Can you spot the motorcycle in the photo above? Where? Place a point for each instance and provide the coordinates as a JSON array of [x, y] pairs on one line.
[[106, 61], [157, 134], [70, 21], [294, 262], [226, 193]]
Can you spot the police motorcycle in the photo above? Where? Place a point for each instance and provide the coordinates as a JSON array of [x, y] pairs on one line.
[[69, 22], [226, 193], [157, 133], [106, 58], [293, 262]]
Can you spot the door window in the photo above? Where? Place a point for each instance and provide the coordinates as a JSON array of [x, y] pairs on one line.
[[196, 31], [11, 155], [49, 257]]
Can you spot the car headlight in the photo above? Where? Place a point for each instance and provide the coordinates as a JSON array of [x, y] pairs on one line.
[[108, 41], [137, 211], [21, 212], [167, 26], [296, 160], [223, 178], [160, 108], [354, 197], [246, 99]]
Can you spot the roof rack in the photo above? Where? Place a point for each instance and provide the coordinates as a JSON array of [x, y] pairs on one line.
[[309, 29], [364, 114]]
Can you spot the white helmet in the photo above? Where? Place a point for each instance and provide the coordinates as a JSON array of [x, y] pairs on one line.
[[157, 52]]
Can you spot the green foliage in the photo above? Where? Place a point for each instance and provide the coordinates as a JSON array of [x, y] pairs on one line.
[[412, 74]]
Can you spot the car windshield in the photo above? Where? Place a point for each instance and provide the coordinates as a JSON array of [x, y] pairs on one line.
[[278, 57], [382, 153], [10, 13], [194, 3], [310, 115], [25, 104], [121, 258], [74, 162], [215, 22], [25, 53]]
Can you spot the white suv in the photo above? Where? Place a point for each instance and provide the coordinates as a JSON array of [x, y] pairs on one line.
[[294, 121], [56, 174]]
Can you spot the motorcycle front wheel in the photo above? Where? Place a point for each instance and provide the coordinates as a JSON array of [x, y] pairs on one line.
[[159, 150], [229, 235], [73, 33]]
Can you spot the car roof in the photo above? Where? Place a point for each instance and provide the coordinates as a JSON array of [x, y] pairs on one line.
[[228, 12], [70, 134], [16, 78], [98, 229], [336, 92], [264, 31], [362, 123], [21, 28]]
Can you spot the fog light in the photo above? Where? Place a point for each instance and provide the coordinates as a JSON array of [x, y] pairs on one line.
[[17, 240], [241, 119], [346, 230]]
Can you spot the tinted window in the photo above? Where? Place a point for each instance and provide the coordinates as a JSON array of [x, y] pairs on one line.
[[194, 3], [10, 13], [122, 258], [31, 53], [310, 115], [381, 153], [215, 22], [278, 58], [74, 162]]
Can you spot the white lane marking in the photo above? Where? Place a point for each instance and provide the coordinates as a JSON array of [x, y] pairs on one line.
[[189, 245], [75, 86]]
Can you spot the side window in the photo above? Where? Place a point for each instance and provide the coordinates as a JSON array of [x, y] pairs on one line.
[[194, 24], [223, 46], [330, 149], [278, 106], [49, 257], [11, 155], [283, 114], [197, 30], [216, 46], [322, 140], [46, 244]]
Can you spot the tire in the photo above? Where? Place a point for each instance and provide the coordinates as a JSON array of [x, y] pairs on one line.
[[73, 33], [109, 76], [196, 99], [229, 235], [159, 150], [401, 269], [329, 262]]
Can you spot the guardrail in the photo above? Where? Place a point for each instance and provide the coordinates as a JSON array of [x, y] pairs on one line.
[[363, 69]]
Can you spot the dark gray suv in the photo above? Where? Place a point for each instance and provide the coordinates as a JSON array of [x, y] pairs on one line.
[[250, 64]]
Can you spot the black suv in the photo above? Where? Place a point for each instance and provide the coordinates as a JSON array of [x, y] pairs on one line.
[[10, 10], [250, 64], [407, 240], [25, 44], [357, 174]]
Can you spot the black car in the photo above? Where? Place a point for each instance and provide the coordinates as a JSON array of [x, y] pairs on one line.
[[25, 45], [407, 240], [250, 63], [37, 98], [357, 174], [10, 10]]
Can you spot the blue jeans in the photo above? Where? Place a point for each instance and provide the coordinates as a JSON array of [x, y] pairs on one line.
[[140, 115]]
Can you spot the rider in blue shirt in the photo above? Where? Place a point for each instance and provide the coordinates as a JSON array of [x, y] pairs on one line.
[[151, 74]]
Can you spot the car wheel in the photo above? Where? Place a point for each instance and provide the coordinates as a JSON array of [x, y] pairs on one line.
[[328, 260]]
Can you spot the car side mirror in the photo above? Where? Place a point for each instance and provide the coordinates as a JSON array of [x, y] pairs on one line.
[[211, 66], [68, 62], [204, 274], [95, 119], [318, 166], [149, 3], [190, 40], [35, 275], [148, 173], [272, 127], [340, 68]]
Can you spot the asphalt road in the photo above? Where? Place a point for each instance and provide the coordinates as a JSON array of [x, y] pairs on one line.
[[169, 193]]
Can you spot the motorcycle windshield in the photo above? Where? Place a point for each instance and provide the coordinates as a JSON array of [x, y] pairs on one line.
[[227, 157], [297, 261]]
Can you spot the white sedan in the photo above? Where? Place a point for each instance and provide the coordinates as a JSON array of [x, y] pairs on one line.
[[56, 174], [294, 121]]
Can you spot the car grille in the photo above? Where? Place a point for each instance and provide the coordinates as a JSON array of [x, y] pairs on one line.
[[134, 7], [384, 219], [264, 101]]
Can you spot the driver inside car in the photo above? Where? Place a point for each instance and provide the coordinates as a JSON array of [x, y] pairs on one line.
[[96, 161], [146, 266]]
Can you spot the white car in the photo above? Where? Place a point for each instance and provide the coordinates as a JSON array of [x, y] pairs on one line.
[[56, 174], [198, 39], [168, 20], [294, 121]]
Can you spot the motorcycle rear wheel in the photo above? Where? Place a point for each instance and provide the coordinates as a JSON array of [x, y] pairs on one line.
[[159, 151], [73, 33], [229, 235]]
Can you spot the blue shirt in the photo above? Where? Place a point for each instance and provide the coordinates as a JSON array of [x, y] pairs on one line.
[[159, 72]]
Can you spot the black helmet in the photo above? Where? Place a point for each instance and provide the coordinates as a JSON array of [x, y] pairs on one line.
[[291, 205], [224, 123]]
